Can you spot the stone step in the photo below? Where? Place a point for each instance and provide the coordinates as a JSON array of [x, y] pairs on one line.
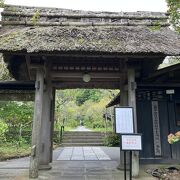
[[85, 138], [81, 144], [82, 140], [82, 137], [84, 133]]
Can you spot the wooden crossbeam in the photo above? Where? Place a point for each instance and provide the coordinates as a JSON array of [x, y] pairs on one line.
[[80, 75], [90, 85]]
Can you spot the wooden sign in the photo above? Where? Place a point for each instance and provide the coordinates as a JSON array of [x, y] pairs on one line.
[[156, 129], [131, 142], [124, 120]]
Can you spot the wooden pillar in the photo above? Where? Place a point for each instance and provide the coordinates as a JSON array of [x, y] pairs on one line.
[[52, 122], [46, 123], [132, 102], [123, 102], [35, 151]]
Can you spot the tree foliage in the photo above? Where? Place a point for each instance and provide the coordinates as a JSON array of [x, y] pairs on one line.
[[86, 106], [174, 11], [1, 3], [16, 113], [3, 130], [87, 94]]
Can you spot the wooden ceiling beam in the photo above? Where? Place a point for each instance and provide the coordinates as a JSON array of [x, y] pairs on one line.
[[96, 55], [89, 85], [80, 75]]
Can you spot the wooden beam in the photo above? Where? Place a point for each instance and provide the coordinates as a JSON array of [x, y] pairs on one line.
[[158, 85], [90, 85], [132, 94], [132, 103], [46, 123], [122, 98], [93, 54], [36, 141], [80, 75], [52, 114]]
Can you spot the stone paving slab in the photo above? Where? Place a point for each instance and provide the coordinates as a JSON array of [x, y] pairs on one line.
[[83, 153], [17, 169]]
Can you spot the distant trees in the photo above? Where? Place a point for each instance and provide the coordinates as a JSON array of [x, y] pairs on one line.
[[87, 94], [85, 106], [1, 3]]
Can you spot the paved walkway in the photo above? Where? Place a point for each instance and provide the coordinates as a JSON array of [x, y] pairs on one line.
[[71, 169], [83, 153]]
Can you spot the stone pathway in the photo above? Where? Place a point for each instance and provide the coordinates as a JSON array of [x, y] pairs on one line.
[[17, 169], [83, 153]]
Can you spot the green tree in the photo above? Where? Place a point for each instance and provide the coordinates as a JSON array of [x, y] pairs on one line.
[[1, 3], [87, 94], [174, 11], [16, 113], [82, 105]]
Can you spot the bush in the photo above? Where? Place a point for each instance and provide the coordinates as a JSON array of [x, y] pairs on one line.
[[111, 139], [97, 124], [3, 130], [71, 123]]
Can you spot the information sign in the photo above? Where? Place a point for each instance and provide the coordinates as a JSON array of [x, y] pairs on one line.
[[131, 142], [124, 120]]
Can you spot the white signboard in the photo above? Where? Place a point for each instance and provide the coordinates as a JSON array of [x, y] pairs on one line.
[[124, 120], [131, 142], [170, 91]]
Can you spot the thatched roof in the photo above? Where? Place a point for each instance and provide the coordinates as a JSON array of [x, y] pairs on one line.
[[57, 30], [101, 39]]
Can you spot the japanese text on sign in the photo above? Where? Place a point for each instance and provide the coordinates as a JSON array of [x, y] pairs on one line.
[[124, 120], [131, 142], [156, 128]]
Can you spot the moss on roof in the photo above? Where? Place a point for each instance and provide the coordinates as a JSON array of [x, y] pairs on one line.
[[71, 30], [124, 40]]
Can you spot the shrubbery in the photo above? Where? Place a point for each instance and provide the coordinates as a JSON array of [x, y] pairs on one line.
[[3, 130], [111, 139]]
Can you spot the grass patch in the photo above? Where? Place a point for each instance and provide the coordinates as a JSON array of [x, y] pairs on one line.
[[10, 151]]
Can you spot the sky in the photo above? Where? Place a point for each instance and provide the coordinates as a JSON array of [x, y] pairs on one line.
[[97, 5]]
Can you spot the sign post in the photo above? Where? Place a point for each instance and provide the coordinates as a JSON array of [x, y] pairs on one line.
[[129, 140]]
